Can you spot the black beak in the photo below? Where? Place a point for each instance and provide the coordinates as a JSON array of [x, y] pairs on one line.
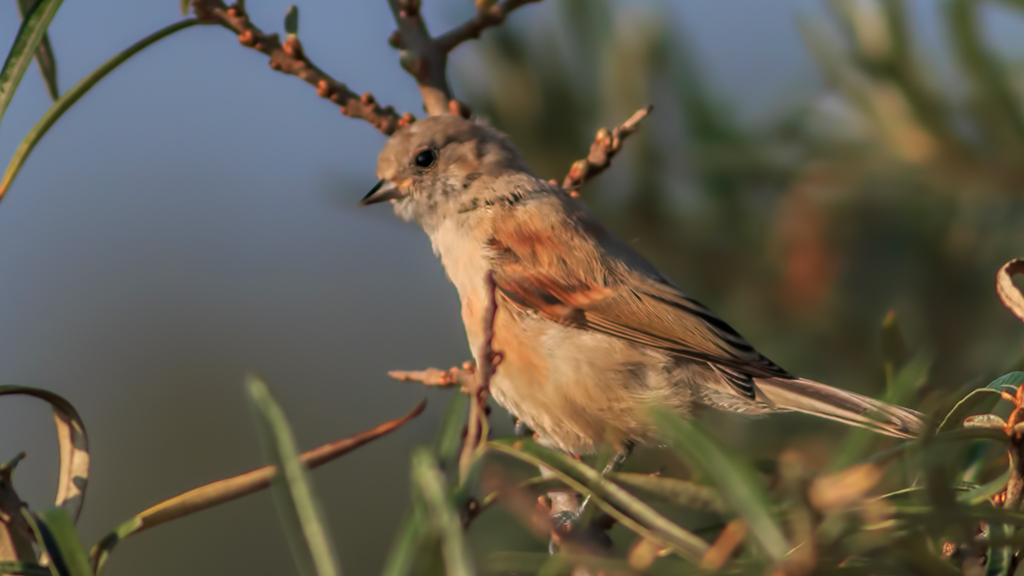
[[384, 190]]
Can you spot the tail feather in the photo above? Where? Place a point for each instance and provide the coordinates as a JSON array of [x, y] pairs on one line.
[[810, 397]]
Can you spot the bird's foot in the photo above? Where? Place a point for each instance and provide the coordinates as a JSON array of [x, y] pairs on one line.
[[568, 526]]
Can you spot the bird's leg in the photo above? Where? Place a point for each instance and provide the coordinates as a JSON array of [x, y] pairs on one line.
[[613, 465], [576, 522]]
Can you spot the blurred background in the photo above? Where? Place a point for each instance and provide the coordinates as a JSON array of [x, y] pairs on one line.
[[810, 165]]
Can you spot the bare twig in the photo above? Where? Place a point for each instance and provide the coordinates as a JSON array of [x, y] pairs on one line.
[[486, 17], [477, 431], [426, 57], [289, 57], [229, 489], [606, 145], [464, 377]]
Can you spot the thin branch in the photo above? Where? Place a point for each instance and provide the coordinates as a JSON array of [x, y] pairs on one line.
[[464, 377], [486, 17], [289, 57], [606, 145], [229, 489], [421, 56], [426, 57], [477, 431]]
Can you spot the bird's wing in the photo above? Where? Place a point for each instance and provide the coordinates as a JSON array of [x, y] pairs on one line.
[[569, 269]]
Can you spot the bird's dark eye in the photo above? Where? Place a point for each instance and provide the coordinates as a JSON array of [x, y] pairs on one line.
[[426, 158]]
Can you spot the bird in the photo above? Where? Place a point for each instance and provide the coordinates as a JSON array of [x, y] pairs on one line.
[[591, 334]]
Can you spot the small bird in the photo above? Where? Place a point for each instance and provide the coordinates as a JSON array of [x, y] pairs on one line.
[[591, 333]]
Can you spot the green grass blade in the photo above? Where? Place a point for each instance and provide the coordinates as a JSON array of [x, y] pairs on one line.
[[24, 568], [56, 534], [986, 491], [26, 43], [895, 353], [674, 490], [293, 493], [405, 550], [45, 60], [448, 443], [738, 484], [626, 508], [74, 94], [430, 483], [402, 559]]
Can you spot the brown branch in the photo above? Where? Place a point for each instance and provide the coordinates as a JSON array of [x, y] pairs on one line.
[[606, 145], [464, 377], [486, 17], [477, 431], [289, 57], [229, 489], [426, 57]]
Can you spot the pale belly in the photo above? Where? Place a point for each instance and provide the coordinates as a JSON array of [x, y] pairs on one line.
[[577, 388]]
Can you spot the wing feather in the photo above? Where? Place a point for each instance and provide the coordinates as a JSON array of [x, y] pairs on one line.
[[579, 274]]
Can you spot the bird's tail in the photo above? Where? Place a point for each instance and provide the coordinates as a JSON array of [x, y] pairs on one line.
[[810, 397]]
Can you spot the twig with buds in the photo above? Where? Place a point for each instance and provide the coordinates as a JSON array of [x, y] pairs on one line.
[[426, 57], [606, 145], [289, 57]]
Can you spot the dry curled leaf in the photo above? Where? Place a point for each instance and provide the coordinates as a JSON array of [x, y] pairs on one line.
[[74, 447], [1007, 291]]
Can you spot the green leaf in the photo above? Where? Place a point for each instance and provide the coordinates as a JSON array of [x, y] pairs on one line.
[[291, 21], [25, 568], [674, 490], [55, 532], [982, 399], [895, 352], [1000, 558], [26, 43], [1008, 382], [45, 60], [738, 484], [183, 5], [448, 443], [293, 493], [412, 533], [73, 443], [626, 508], [402, 559], [430, 484], [985, 421], [71, 96], [983, 493]]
